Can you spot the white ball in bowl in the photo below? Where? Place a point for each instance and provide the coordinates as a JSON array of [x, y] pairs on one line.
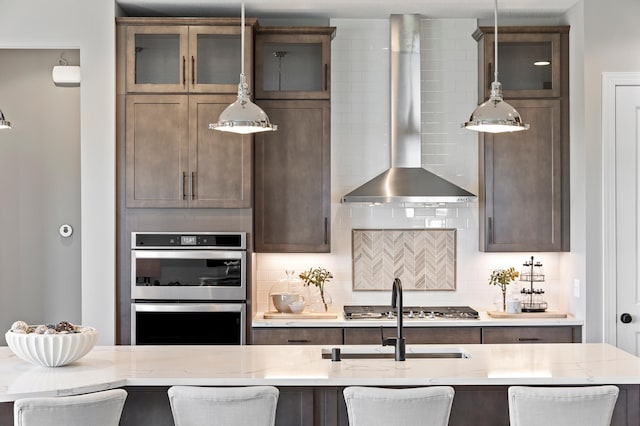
[[296, 307]]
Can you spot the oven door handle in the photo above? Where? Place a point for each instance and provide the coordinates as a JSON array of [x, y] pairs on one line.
[[190, 254], [189, 307]]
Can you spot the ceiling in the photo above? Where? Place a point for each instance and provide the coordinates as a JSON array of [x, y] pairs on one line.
[[366, 9]]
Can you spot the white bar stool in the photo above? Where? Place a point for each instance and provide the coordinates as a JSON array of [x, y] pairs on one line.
[[96, 409], [565, 406], [428, 406], [240, 406]]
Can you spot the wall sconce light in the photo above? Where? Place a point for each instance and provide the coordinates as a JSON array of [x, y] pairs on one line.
[[64, 75]]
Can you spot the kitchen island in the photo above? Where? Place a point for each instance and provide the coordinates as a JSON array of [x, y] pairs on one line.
[[311, 386]]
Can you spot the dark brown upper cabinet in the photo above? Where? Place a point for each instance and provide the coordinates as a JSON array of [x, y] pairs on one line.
[[292, 200], [293, 62], [186, 55], [173, 159], [530, 61], [292, 170], [521, 174], [524, 176]]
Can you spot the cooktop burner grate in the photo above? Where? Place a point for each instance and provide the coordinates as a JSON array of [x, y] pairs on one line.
[[355, 312]]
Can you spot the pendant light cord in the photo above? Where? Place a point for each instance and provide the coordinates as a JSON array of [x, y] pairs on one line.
[[495, 41], [242, 40]]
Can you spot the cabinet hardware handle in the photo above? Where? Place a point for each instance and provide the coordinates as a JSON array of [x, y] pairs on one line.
[[490, 78], [298, 341], [184, 190], [193, 71], [135, 66], [528, 339], [490, 230], [326, 230], [184, 71], [193, 183], [326, 76]]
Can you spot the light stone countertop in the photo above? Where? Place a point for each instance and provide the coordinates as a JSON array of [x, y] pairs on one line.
[[116, 366], [484, 321]]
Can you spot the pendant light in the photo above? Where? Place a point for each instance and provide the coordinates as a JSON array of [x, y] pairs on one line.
[[4, 124], [495, 115], [243, 116]]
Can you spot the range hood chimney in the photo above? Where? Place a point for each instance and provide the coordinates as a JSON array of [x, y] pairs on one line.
[[406, 181]]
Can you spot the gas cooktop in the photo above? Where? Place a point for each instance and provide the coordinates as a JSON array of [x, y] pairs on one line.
[[363, 312]]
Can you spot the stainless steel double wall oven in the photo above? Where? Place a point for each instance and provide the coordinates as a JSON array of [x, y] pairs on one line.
[[188, 288]]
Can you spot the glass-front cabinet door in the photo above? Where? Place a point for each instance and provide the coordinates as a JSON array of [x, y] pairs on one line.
[[182, 58], [293, 66], [215, 58], [528, 64], [157, 58]]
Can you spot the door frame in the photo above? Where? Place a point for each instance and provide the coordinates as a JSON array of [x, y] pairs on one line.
[[610, 81]]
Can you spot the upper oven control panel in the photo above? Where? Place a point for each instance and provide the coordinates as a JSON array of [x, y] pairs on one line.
[[191, 240]]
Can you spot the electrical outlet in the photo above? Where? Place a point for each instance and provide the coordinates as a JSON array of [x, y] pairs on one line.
[[576, 288]]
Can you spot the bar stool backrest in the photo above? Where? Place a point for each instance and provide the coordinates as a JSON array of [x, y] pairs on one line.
[[567, 406], [425, 406], [96, 409]]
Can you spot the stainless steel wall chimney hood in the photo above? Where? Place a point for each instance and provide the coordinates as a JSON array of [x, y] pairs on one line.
[[406, 181]]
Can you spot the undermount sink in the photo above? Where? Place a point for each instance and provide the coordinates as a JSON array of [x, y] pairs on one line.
[[381, 352]]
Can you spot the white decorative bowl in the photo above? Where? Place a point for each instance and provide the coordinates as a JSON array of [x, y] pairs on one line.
[[281, 301], [52, 350]]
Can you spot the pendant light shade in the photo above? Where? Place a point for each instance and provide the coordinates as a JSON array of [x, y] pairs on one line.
[[243, 116], [4, 124], [495, 115]]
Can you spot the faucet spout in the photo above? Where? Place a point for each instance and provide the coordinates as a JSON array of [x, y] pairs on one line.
[[396, 303]]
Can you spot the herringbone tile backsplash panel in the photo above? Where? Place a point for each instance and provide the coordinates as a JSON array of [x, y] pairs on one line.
[[423, 259]]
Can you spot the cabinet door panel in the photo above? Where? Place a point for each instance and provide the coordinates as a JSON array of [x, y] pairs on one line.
[[293, 63], [295, 407], [157, 58], [297, 336], [527, 335], [522, 194], [413, 335], [220, 161], [156, 151], [292, 183], [214, 58], [517, 55]]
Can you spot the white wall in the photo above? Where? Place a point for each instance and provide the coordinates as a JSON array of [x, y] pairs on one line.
[[360, 150], [90, 27], [40, 187]]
